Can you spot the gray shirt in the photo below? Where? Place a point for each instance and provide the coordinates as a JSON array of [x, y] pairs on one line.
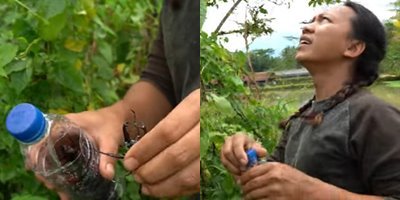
[[356, 147], [174, 61]]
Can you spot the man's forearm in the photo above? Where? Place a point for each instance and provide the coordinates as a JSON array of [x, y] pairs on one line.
[[325, 191], [148, 102]]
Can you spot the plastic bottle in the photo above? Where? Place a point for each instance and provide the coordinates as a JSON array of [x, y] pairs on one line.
[[61, 152]]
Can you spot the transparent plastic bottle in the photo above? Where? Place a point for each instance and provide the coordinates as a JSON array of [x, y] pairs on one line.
[[61, 152]]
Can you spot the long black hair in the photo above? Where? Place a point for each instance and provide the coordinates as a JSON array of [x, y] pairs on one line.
[[367, 28]]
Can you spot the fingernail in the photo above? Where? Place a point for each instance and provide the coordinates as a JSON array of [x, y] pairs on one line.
[[145, 190], [110, 169], [138, 179], [243, 161], [130, 164]]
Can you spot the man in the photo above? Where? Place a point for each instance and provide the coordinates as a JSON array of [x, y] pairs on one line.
[[343, 144]]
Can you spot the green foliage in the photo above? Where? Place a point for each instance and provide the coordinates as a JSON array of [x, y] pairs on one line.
[[28, 197], [390, 63], [203, 12], [314, 3], [227, 107], [287, 59], [393, 84], [256, 22], [263, 59], [67, 56]]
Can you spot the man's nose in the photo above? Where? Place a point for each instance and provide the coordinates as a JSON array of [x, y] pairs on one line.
[[308, 28]]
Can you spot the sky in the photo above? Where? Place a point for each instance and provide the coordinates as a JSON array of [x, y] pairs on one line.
[[286, 22]]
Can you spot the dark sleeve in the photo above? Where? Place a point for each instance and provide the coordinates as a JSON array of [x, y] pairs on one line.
[[157, 71], [375, 146]]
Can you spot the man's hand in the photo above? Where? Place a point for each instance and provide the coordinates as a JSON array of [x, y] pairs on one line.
[[61, 195], [166, 161], [279, 181], [233, 152], [105, 127]]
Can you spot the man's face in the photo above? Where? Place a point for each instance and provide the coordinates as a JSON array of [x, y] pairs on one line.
[[327, 36]]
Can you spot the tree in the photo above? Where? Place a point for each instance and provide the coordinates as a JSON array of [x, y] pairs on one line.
[[263, 59], [287, 59], [391, 62]]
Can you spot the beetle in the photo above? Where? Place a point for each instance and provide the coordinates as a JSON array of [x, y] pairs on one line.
[[138, 126], [135, 128]]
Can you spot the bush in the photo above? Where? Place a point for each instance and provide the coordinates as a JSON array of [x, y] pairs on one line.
[[227, 107]]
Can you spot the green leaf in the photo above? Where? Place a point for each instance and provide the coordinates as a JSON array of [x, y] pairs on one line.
[[203, 12], [2, 72], [68, 76], [222, 104], [107, 94], [237, 81], [106, 51], [263, 10], [103, 68], [51, 8], [28, 197], [20, 79], [3, 86], [90, 8], [7, 53], [17, 66], [51, 30], [13, 167], [6, 141], [75, 45], [103, 26], [204, 144]]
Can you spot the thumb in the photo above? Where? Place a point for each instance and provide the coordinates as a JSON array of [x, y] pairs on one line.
[[107, 162], [261, 151], [89, 121]]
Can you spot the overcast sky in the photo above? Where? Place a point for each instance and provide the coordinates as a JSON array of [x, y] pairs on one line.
[[286, 23]]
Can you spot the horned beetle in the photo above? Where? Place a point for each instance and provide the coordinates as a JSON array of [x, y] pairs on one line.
[[138, 126], [135, 128]]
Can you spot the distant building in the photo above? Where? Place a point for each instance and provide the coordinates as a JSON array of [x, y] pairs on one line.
[[262, 78], [292, 73]]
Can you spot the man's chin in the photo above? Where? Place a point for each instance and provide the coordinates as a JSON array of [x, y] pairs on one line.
[[300, 58]]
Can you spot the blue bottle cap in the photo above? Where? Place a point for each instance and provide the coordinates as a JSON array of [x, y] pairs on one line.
[[26, 123], [251, 157]]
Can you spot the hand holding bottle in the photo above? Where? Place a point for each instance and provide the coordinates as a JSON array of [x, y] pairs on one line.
[[60, 152], [233, 153]]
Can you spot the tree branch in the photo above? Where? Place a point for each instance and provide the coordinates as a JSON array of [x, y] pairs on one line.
[[226, 16]]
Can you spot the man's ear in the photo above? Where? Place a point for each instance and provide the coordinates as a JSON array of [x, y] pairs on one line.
[[355, 49]]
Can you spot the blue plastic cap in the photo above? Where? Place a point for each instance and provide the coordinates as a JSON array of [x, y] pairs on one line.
[[26, 123], [251, 157]]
